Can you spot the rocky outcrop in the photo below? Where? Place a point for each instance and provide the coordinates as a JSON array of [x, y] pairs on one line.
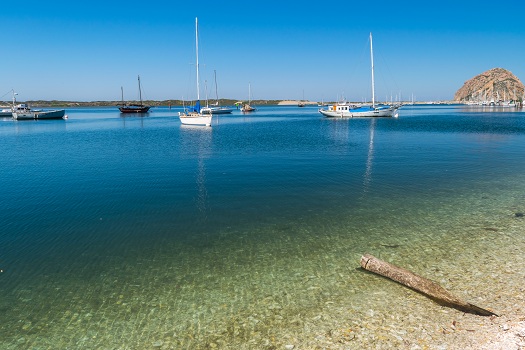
[[493, 85]]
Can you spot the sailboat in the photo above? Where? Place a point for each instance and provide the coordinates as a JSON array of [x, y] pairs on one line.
[[133, 107], [374, 110], [301, 103], [216, 109], [193, 115], [247, 106]]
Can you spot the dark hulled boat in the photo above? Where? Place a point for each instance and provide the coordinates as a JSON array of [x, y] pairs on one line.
[[134, 107]]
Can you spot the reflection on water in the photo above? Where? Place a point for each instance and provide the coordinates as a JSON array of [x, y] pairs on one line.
[[197, 142], [370, 157], [39, 126], [490, 109], [131, 119]]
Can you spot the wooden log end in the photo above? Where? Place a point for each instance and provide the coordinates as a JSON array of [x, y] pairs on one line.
[[480, 311], [365, 259]]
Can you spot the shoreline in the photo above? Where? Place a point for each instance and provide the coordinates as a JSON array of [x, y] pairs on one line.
[[179, 103]]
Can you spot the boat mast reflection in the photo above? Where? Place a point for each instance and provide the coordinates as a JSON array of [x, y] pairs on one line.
[[199, 139], [367, 178]]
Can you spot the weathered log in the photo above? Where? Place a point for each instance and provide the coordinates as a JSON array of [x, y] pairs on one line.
[[420, 284]]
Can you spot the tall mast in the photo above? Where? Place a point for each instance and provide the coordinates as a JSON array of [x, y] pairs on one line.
[[140, 91], [197, 54], [372, 60]]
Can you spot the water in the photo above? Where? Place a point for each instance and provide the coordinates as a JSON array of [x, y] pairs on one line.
[[137, 232]]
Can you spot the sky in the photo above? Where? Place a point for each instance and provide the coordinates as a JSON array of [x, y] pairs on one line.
[[88, 51]]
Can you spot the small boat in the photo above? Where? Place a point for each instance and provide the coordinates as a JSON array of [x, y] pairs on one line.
[[215, 108], [194, 116], [302, 103], [24, 112], [134, 107], [246, 108], [374, 110]]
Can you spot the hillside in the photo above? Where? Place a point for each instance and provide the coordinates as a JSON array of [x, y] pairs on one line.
[[494, 84]]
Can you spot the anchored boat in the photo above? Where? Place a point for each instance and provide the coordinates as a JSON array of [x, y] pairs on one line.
[[351, 110]]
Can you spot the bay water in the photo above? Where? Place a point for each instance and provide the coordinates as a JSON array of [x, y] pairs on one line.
[[136, 232]]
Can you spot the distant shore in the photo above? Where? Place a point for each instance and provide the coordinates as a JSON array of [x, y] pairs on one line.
[[154, 103]]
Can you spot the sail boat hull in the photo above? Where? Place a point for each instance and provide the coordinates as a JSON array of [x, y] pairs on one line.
[[377, 111], [351, 111], [216, 110], [134, 109], [247, 108], [195, 119]]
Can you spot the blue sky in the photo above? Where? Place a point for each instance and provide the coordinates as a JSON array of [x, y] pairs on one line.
[[85, 51]]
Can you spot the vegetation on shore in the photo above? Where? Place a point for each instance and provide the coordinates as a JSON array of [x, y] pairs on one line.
[[57, 103]]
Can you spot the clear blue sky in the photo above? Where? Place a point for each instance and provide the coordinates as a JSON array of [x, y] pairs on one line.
[[87, 50]]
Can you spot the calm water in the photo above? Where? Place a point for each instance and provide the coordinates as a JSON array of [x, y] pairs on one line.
[[137, 232]]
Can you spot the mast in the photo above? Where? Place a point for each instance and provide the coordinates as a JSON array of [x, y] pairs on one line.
[[122, 94], [372, 60], [197, 54], [216, 93], [140, 91], [14, 99], [249, 93], [206, 91]]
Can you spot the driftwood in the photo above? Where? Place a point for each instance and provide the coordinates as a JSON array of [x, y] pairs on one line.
[[420, 284]]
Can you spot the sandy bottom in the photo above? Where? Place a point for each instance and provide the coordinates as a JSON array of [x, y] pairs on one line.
[[282, 285]]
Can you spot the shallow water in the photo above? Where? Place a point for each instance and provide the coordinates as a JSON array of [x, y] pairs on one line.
[[137, 232]]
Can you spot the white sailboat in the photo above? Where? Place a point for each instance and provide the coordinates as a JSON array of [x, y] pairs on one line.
[[247, 106], [215, 108], [193, 115], [374, 110]]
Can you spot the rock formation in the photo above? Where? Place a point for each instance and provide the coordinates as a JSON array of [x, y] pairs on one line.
[[493, 85]]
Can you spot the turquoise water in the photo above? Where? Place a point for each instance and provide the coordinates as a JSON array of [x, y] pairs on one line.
[[137, 232]]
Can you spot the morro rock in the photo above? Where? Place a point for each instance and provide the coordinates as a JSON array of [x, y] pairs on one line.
[[493, 85]]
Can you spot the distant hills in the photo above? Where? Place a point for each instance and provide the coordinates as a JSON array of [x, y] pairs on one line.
[[494, 84]]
